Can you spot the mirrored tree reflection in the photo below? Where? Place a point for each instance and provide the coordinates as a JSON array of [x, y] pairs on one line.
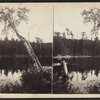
[[84, 76], [18, 76]]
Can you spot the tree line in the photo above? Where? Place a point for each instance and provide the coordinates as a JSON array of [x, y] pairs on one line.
[[75, 47], [15, 47]]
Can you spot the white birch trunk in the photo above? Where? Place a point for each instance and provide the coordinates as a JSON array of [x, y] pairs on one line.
[[27, 45]]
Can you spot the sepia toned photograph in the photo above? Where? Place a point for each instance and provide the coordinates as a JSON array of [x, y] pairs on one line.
[[25, 49], [49, 50], [76, 50]]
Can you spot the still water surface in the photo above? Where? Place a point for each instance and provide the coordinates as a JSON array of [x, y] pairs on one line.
[[12, 71], [84, 76]]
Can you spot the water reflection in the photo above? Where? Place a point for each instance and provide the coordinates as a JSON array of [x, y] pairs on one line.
[[84, 76], [14, 72], [84, 80], [7, 77]]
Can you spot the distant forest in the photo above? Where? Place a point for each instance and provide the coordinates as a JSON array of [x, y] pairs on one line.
[[75, 47], [14, 47]]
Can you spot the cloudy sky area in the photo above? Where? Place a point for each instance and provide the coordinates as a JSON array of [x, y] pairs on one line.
[[71, 18], [40, 24]]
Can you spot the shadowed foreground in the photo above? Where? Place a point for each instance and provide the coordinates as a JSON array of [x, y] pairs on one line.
[[83, 78], [18, 76]]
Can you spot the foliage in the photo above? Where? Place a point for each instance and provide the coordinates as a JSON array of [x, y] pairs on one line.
[[12, 16], [86, 67], [31, 82], [15, 48], [81, 47], [34, 82], [92, 16]]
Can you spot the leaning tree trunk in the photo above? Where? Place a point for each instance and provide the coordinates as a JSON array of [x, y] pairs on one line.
[[27, 45]]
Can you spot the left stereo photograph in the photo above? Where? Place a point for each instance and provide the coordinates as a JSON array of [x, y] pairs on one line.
[[26, 36]]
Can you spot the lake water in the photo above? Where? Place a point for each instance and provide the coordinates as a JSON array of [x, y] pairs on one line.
[[84, 76], [14, 71]]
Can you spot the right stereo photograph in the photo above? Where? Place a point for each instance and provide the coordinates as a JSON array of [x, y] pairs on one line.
[[76, 50]]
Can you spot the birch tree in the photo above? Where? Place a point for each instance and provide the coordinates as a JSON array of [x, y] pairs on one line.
[[92, 16], [11, 18]]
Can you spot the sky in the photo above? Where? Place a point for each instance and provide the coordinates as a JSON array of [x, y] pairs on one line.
[[43, 21], [71, 18], [40, 24]]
